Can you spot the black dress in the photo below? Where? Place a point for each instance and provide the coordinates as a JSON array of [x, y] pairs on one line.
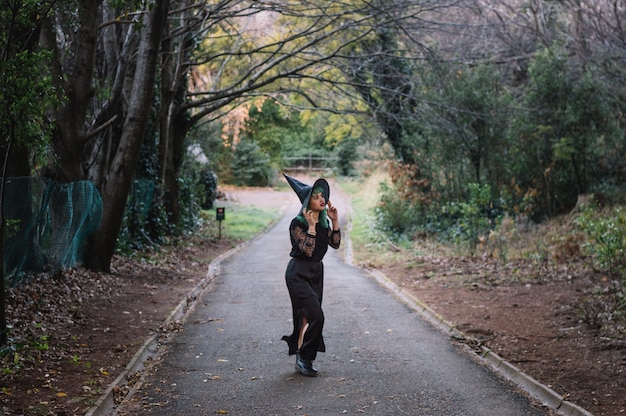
[[305, 281]]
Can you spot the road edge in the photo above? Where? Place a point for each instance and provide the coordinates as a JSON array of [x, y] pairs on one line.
[[113, 397], [531, 386], [534, 388], [150, 348]]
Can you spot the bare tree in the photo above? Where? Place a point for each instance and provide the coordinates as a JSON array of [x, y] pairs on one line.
[[123, 165], [74, 68], [247, 50], [107, 68]]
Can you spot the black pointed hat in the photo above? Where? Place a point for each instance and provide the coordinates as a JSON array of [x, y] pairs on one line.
[[304, 191]]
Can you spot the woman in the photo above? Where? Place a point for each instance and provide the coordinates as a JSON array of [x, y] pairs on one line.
[[311, 234]]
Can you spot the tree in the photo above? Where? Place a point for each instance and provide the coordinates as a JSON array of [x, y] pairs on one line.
[[568, 132], [26, 93], [466, 115], [123, 165], [240, 55], [179, 42], [212, 57], [114, 161], [385, 81]]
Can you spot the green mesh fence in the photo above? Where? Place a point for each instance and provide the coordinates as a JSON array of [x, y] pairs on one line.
[[48, 224], [137, 216], [140, 201]]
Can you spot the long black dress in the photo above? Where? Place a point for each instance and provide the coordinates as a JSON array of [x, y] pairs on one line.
[[305, 281]]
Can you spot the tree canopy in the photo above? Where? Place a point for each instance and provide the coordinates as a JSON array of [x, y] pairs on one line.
[[525, 98]]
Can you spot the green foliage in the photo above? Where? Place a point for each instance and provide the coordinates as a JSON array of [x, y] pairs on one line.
[[402, 213], [244, 222], [190, 196], [207, 192], [463, 139], [395, 216], [41, 344], [250, 165], [216, 148], [607, 241], [272, 137], [282, 132], [384, 79], [606, 251], [197, 184], [26, 90], [145, 222], [26, 97], [476, 217], [348, 155], [143, 219], [271, 126], [562, 141]]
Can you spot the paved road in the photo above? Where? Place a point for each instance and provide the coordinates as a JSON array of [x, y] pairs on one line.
[[381, 359]]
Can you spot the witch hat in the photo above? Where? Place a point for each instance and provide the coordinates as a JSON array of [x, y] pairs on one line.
[[304, 191]]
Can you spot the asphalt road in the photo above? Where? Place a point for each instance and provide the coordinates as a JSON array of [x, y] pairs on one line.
[[381, 359]]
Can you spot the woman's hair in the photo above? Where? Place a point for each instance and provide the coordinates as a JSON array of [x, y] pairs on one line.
[[323, 215]]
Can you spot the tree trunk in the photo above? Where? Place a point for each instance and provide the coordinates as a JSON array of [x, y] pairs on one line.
[[115, 190], [168, 186], [69, 136], [173, 127]]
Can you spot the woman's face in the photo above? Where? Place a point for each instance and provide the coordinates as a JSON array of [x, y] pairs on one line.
[[317, 202]]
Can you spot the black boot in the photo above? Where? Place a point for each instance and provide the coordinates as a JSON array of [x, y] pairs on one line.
[[305, 366]]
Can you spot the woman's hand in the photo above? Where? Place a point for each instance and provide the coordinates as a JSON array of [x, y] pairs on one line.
[[333, 214], [308, 216]]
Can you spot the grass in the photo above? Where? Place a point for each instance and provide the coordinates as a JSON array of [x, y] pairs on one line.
[[242, 222], [370, 246]]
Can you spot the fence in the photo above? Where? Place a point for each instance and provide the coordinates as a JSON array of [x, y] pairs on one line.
[[309, 163], [48, 224]]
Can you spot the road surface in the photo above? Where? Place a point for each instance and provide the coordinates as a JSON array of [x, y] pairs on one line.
[[381, 359]]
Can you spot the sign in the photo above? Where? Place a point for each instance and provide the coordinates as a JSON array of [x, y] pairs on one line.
[[220, 213]]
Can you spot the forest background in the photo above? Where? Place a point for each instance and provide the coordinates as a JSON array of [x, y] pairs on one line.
[[486, 114]]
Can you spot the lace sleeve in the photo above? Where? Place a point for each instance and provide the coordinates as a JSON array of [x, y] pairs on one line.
[[334, 238], [304, 240]]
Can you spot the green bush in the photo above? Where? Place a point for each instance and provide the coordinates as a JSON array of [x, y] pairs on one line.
[[347, 153], [606, 249], [394, 216], [607, 241], [145, 221], [250, 165], [208, 188], [460, 222], [475, 219]]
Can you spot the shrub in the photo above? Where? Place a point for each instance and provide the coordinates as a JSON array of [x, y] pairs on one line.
[[607, 241], [395, 216], [250, 165], [347, 154], [208, 188]]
